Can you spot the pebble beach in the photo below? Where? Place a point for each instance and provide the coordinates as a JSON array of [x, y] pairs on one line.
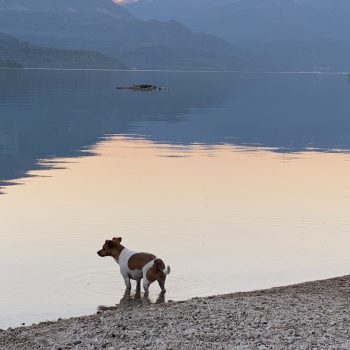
[[312, 315]]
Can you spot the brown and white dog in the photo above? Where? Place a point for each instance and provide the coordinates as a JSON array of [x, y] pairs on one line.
[[135, 265]]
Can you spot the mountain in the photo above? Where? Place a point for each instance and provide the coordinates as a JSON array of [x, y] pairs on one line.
[[105, 8], [242, 20], [9, 63], [179, 10], [16, 53], [266, 20], [109, 28], [280, 34], [320, 55]]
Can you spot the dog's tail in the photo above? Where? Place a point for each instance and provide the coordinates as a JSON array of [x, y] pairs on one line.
[[167, 270], [159, 263]]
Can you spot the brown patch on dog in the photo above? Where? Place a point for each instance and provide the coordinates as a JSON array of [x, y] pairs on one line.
[[139, 260], [156, 272], [111, 248]]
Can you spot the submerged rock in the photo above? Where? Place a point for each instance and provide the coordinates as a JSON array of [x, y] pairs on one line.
[[141, 87]]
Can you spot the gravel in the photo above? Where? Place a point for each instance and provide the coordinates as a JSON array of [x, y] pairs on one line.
[[313, 315]]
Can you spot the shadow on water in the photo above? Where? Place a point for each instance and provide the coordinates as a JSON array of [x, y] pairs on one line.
[[46, 115], [130, 300]]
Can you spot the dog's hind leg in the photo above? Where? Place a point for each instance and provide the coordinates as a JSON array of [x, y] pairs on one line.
[[161, 283], [146, 284], [138, 285]]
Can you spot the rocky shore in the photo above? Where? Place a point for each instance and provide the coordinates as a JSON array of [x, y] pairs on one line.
[[313, 315]]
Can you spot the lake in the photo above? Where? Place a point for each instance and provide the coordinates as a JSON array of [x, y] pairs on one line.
[[238, 181]]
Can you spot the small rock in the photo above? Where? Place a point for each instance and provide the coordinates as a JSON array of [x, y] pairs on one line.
[[190, 331]]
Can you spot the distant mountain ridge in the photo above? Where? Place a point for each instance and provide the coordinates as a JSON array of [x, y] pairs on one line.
[[241, 20], [249, 35], [179, 10], [280, 34], [9, 63], [109, 28], [266, 20], [106, 7], [15, 53]]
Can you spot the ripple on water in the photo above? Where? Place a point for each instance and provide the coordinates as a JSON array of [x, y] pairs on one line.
[[180, 285], [92, 283]]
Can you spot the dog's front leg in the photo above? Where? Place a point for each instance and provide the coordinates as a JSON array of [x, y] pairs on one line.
[[127, 283]]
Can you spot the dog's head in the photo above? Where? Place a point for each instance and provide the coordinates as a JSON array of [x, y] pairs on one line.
[[111, 248]]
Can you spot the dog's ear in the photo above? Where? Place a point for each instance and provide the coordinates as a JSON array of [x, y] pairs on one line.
[[117, 239]]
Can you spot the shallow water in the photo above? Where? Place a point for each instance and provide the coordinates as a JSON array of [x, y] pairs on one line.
[[239, 181]]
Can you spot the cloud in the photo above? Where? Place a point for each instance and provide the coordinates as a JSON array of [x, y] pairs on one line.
[[121, 2]]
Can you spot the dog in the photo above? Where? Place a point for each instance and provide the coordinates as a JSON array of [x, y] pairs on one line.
[[135, 265]]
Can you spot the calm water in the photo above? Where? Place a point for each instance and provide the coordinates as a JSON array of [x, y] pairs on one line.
[[239, 181]]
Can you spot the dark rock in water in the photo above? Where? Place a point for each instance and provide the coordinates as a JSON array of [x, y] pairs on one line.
[[141, 87]]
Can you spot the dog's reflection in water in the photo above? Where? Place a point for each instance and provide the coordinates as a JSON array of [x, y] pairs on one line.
[[132, 300]]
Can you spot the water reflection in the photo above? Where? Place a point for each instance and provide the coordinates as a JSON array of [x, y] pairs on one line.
[[132, 300], [240, 167], [49, 114], [268, 218]]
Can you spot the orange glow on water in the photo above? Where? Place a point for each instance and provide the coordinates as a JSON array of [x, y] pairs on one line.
[[272, 218]]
